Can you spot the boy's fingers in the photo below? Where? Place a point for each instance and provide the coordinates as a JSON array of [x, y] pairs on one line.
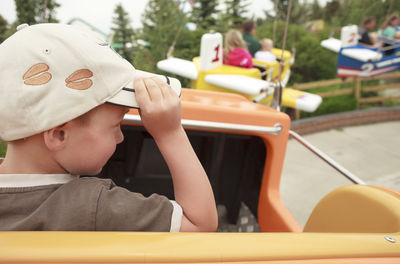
[[141, 92], [166, 90], [154, 88]]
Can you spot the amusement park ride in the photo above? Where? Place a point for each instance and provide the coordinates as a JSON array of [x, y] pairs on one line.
[[242, 146], [207, 72], [358, 60]]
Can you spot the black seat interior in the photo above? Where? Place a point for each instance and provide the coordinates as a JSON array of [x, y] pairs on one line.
[[234, 164]]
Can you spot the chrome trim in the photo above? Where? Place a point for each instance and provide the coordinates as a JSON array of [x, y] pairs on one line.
[[263, 95], [218, 126], [326, 158], [390, 239]]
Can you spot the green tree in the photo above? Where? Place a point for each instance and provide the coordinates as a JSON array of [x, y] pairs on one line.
[[316, 11], [300, 12], [204, 13], [161, 20], [36, 11], [122, 32], [235, 11], [338, 13], [3, 29], [331, 10], [50, 10]]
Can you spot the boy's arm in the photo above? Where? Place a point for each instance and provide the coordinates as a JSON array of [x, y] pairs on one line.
[[160, 111]]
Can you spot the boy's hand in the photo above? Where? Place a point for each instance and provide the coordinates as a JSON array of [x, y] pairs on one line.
[[160, 107]]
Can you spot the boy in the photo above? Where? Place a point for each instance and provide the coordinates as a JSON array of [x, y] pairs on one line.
[[64, 93], [265, 53]]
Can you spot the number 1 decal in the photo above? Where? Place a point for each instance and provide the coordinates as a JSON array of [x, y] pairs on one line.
[[216, 54]]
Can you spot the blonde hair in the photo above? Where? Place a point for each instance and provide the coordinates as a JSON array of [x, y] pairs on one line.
[[233, 40], [266, 44]]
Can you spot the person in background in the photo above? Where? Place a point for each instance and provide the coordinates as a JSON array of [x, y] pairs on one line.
[[265, 53], [249, 29], [235, 52], [389, 26], [368, 25]]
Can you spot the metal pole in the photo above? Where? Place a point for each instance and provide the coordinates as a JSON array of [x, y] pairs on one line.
[[217, 126], [276, 18], [277, 102], [353, 178], [44, 11]]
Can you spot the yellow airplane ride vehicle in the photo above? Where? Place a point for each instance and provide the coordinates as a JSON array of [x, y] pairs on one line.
[[207, 72]]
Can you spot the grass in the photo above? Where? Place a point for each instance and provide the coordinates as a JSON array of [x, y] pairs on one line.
[[343, 103], [391, 103], [336, 104], [3, 147]]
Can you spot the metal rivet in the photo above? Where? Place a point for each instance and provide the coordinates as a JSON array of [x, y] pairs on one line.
[[390, 239]]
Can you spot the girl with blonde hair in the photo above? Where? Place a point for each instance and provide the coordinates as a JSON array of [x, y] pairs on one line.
[[235, 52]]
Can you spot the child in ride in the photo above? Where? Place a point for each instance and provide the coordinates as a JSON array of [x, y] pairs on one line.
[[64, 93], [265, 53], [235, 52], [389, 26]]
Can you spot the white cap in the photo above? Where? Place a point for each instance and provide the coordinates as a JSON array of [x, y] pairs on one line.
[[53, 73]]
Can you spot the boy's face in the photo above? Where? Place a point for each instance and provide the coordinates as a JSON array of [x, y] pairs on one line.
[[93, 139]]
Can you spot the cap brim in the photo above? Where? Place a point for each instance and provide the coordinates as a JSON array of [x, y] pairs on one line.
[[126, 96]]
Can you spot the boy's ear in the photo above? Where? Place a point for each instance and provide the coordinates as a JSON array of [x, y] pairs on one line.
[[55, 138]]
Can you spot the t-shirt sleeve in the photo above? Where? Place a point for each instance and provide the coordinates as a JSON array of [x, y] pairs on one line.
[[121, 210], [389, 32], [365, 38]]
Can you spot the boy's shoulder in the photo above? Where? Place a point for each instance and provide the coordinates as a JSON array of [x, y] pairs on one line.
[[93, 181]]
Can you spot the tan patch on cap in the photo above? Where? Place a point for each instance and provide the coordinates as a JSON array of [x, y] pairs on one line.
[[37, 75], [78, 80]]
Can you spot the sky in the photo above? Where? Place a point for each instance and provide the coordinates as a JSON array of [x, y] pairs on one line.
[[99, 13]]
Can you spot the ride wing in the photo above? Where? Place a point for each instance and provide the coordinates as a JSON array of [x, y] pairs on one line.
[[179, 67], [239, 83]]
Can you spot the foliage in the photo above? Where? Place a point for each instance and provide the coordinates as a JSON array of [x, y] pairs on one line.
[[233, 16], [205, 13], [337, 104], [316, 10], [161, 21], [235, 11], [3, 148], [122, 32], [3, 29], [343, 12], [32, 11]]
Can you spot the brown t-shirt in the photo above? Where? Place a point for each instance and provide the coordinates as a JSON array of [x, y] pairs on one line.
[[65, 202]]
